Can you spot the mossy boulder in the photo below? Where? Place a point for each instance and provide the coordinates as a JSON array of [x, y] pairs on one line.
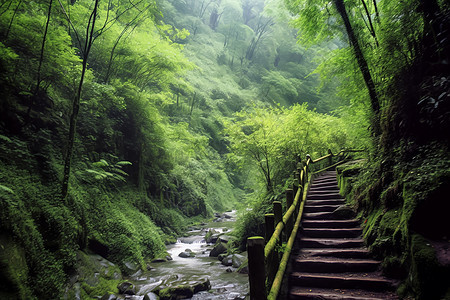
[[428, 279], [174, 288], [95, 275], [176, 292], [219, 248], [13, 270], [187, 253]]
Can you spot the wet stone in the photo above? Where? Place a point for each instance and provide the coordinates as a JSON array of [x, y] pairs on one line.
[[219, 248], [108, 297], [150, 296], [126, 288]]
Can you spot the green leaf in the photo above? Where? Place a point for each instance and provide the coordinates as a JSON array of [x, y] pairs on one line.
[[6, 189]]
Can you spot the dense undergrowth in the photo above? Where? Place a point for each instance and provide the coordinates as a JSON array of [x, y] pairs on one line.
[[401, 191]]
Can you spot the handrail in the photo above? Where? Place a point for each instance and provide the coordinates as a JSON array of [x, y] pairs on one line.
[[262, 258]]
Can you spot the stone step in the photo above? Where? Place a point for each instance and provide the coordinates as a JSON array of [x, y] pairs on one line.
[[309, 208], [335, 265], [324, 196], [307, 293], [324, 183], [325, 178], [341, 281], [326, 202], [318, 216], [330, 223], [331, 243], [321, 189], [341, 253], [332, 232]]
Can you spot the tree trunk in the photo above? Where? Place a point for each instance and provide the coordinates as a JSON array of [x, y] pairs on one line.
[[41, 58], [369, 18], [362, 63], [12, 20], [377, 14], [76, 103]]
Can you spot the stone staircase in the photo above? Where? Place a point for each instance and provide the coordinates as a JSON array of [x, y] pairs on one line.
[[331, 261]]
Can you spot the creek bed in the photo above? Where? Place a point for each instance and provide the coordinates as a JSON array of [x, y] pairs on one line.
[[225, 285]]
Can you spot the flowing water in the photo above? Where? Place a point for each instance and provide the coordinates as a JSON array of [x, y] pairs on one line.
[[224, 284]]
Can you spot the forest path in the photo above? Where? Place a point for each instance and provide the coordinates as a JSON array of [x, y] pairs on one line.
[[330, 260]]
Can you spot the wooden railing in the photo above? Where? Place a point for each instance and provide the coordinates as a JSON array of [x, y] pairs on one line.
[[266, 268]]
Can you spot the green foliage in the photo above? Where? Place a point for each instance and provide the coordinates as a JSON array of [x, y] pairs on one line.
[[44, 230], [102, 171], [14, 270], [251, 223], [274, 138]]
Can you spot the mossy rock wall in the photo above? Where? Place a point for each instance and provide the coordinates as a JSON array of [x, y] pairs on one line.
[[13, 270], [401, 218]]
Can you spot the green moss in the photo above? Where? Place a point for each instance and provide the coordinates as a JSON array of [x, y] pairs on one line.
[[351, 169], [427, 279], [394, 267], [382, 230], [13, 271], [173, 293], [96, 276], [371, 224], [104, 286], [22, 221]]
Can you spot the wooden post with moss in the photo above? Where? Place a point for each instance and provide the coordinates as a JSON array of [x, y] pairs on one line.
[[299, 171], [295, 185], [290, 221], [278, 215], [256, 268], [269, 226], [330, 159]]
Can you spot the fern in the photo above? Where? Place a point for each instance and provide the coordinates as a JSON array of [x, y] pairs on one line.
[[6, 189], [107, 173], [5, 138]]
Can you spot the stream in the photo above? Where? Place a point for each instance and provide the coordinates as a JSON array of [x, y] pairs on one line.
[[226, 283]]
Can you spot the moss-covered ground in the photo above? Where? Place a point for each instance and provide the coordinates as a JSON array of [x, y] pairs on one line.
[[402, 206]]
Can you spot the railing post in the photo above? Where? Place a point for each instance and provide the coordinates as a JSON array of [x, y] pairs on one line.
[[269, 225], [299, 170], [295, 185], [305, 169], [256, 268], [278, 215], [273, 260], [290, 221], [330, 159]]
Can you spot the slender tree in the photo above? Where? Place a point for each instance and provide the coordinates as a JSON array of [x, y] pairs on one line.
[[369, 19], [12, 19], [41, 57], [262, 28], [362, 63], [89, 40]]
